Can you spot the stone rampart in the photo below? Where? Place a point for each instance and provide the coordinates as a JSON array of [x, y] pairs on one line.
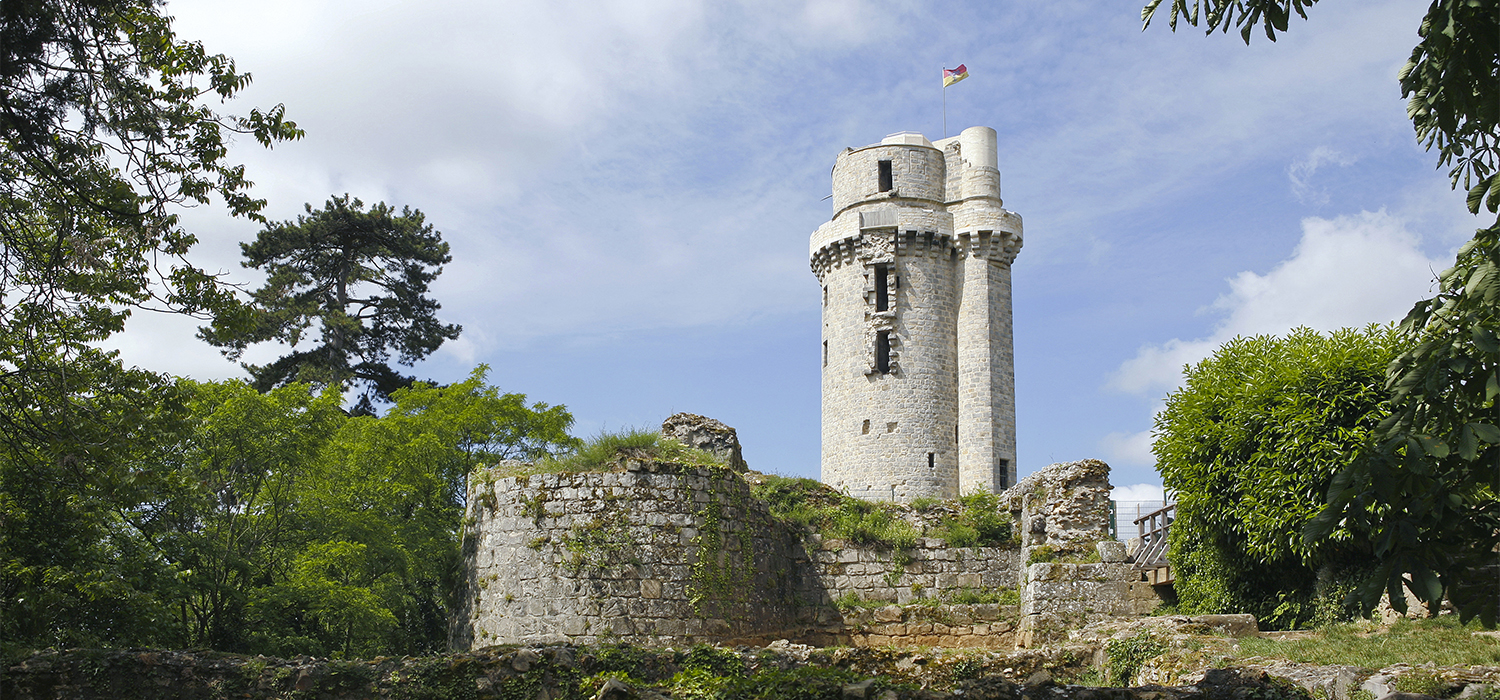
[[658, 554], [665, 554]]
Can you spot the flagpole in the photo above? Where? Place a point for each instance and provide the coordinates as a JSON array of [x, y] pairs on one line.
[[945, 103]]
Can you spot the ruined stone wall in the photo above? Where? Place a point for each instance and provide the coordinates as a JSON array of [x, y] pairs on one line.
[[983, 626], [1073, 573], [659, 554], [931, 568], [667, 555]]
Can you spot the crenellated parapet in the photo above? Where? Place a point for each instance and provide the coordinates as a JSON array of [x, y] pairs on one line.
[[881, 246]]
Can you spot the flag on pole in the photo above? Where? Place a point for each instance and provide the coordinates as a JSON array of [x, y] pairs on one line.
[[951, 76]]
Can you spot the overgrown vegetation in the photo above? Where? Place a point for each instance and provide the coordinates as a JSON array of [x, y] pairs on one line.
[[973, 520], [1127, 655], [265, 523], [611, 451], [979, 522], [817, 508], [1250, 444]]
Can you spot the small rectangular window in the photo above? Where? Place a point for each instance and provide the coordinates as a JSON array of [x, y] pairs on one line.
[[882, 293], [825, 296], [825, 353], [1002, 474], [883, 352], [931, 460], [885, 176]]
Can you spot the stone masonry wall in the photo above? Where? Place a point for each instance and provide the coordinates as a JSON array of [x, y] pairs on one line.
[[664, 554], [1073, 573], [932, 568], [658, 554]]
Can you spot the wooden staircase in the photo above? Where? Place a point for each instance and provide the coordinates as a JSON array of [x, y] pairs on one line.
[[1151, 558]]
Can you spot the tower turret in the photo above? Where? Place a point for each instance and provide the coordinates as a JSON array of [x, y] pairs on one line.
[[918, 378]]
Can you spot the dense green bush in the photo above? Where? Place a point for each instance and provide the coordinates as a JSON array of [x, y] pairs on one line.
[[1249, 445]]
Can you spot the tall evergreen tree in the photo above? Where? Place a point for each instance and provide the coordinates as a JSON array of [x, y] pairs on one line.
[[362, 277]]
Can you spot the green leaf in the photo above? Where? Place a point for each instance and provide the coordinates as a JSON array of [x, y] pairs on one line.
[[1433, 446], [1425, 584], [1485, 339], [1468, 446], [1485, 431]]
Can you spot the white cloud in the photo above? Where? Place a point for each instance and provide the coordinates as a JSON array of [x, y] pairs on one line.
[[1128, 449], [1137, 493], [1301, 172], [1347, 271]]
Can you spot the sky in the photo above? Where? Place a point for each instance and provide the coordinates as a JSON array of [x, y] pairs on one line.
[[628, 188]]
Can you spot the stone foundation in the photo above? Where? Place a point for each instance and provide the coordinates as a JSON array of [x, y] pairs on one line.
[[666, 555]]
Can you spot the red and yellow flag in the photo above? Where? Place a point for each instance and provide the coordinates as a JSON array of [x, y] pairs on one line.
[[951, 76]]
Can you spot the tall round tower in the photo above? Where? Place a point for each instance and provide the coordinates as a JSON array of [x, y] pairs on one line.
[[918, 377]]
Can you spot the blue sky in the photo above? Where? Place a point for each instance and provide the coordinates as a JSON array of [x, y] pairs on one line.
[[628, 188]]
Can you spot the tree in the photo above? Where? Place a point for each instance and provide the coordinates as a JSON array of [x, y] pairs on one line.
[[1428, 487], [104, 131], [362, 276], [1250, 444], [276, 523]]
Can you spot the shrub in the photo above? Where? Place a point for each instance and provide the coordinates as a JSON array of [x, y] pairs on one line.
[[979, 522], [1250, 444], [610, 451], [1126, 656], [817, 508]]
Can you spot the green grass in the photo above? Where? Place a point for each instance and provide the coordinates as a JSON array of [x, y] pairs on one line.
[[610, 451], [852, 601], [1441, 641], [817, 508]]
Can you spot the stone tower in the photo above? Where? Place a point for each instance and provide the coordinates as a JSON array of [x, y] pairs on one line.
[[918, 373]]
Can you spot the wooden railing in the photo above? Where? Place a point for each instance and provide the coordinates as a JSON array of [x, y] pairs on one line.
[[1153, 528]]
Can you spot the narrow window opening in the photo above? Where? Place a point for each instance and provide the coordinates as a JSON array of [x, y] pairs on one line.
[[955, 433], [825, 296], [885, 176], [883, 352], [931, 460], [882, 293], [890, 427], [866, 429], [825, 353], [1002, 474]]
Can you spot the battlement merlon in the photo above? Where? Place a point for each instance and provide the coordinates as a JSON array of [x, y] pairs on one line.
[[906, 183]]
